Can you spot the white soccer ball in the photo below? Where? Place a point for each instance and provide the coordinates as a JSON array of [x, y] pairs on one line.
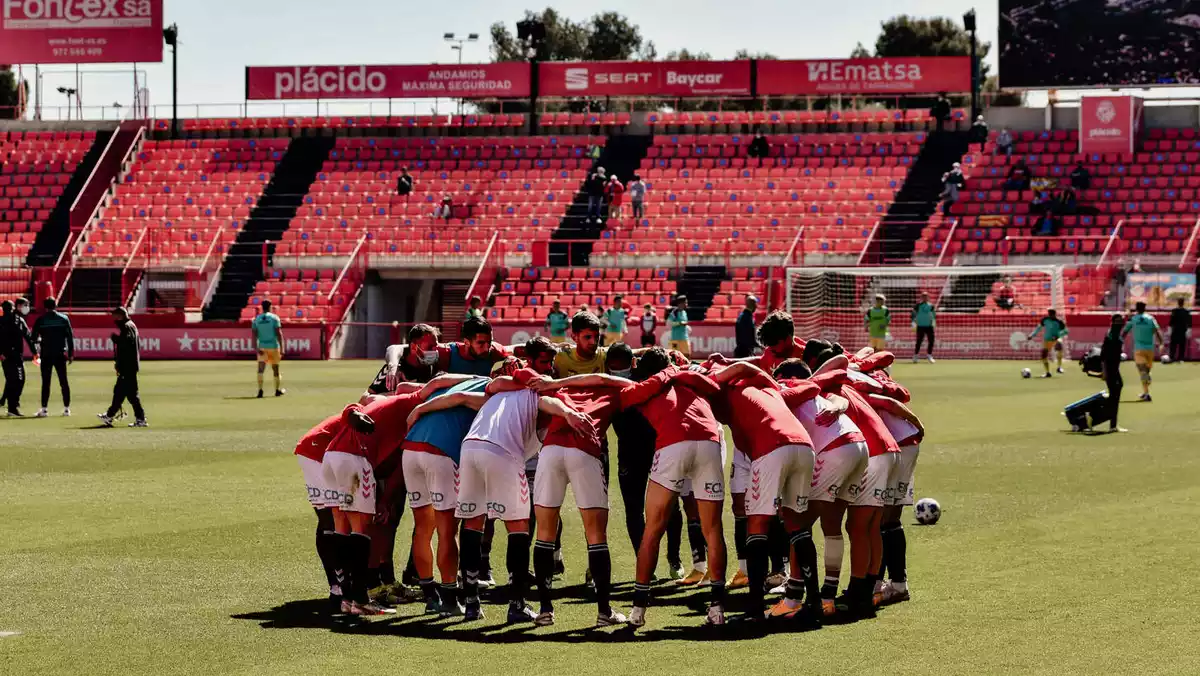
[[1026, 373], [1166, 359], [928, 511]]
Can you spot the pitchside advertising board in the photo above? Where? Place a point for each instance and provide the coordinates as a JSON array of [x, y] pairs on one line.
[[81, 31], [197, 343], [467, 81], [1110, 124]]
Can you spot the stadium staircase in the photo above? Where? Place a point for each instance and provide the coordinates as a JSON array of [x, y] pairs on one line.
[[964, 294], [281, 199], [700, 283], [918, 198], [57, 230], [454, 308], [622, 155], [94, 289]]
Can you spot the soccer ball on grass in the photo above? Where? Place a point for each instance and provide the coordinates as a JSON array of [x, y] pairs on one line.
[[1026, 373], [928, 511], [1166, 359]]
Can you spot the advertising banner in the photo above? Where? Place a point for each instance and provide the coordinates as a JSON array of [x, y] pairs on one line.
[[1162, 290], [906, 75], [300, 342], [465, 81], [81, 31], [1109, 124], [645, 78]]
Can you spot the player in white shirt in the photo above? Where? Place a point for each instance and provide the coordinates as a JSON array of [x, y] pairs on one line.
[[841, 459], [492, 482]]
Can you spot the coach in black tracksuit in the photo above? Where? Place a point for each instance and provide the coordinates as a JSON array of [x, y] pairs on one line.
[[56, 345], [127, 360], [14, 335], [1110, 359]]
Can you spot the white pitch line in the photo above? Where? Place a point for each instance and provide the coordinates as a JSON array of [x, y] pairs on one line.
[[6, 634]]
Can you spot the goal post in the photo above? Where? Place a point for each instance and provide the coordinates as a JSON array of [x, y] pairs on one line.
[[973, 318]]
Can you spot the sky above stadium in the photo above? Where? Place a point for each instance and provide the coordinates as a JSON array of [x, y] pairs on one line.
[[220, 37]]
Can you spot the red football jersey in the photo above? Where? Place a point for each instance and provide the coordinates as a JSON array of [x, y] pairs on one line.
[[681, 412], [314, 442], [391, 426], [765, 420], [768, 361], [879, 439]]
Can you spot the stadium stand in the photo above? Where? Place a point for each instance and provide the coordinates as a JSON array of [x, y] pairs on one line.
[[703, 190], [300, 295], [187, 196], [35, 168], [518, 186], [1155, 192]]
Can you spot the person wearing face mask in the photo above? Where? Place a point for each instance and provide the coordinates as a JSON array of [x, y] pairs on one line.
[[414, 362], [14, 335], [127, 361]]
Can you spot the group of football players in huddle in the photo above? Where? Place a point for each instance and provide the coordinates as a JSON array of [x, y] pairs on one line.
[[472, 433]]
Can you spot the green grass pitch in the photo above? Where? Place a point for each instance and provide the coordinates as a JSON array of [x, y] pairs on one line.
[[187, 548]]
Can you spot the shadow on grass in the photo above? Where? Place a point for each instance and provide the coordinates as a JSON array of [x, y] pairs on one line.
[[311, 614], [314, 614]]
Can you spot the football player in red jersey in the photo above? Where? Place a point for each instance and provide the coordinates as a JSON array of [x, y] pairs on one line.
[[569, 458], [310, 451], [870, 495], [781, 464], [689, 446], [362, 465]]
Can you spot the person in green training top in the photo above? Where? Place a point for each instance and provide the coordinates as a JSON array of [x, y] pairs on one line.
[[924, 319], [268, 341], [677, 321], [556, 323], [475, 309], [615, 321], [1146, 339], [1055, 330], [878, 319]]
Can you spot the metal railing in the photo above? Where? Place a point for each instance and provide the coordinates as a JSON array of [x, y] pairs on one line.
[[1190, 243], [1111, 240]]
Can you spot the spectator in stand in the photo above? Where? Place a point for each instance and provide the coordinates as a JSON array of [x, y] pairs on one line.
[[1181, 332], [1006, 295], [594, 187], [759, 147], [594, 152], [1066, 203], [1018, 177], [1004, 143], [940, 111], [1081, 178], [649, 323], [404, 184], [744, 331], [556, 323], [444, 210], [615, 192], [979, 132], [637, 196], [952, 182], [474, 309]]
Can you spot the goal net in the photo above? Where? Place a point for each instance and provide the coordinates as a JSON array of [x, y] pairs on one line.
[[984, 312]]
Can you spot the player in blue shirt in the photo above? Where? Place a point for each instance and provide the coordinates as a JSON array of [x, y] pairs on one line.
[[430, 462], [268, 342]]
